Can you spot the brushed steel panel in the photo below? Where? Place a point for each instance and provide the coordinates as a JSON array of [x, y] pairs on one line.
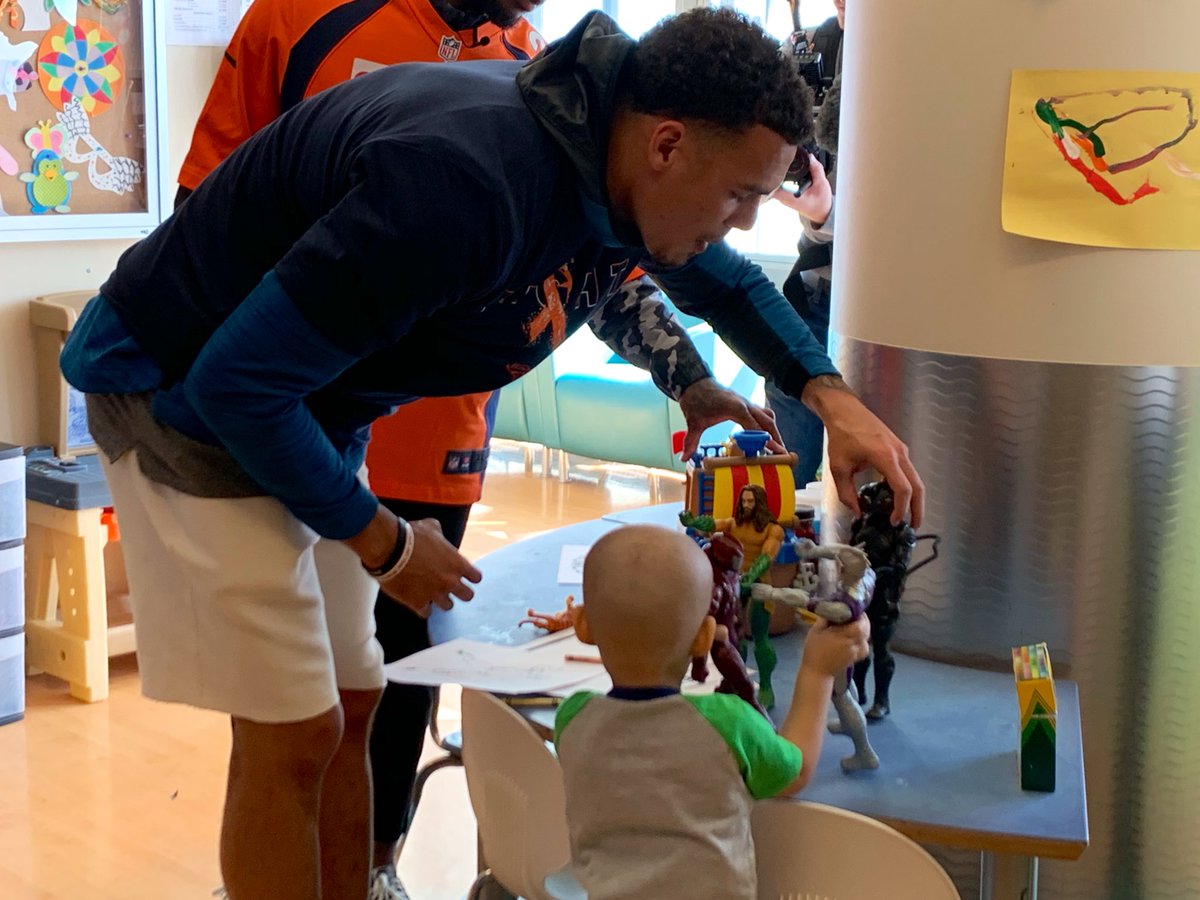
[[1067, 498]]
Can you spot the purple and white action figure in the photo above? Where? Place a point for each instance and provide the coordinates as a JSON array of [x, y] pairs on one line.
[[845, 600]]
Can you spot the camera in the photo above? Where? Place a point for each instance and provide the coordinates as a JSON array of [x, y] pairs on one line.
[[811, 68], [809, 64], [799, 173]]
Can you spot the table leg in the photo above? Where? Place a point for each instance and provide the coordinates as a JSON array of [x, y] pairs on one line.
[[1003, 876]]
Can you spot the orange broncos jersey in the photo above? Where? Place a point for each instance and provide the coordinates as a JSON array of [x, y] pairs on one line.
[[433, 450], [286, 50]]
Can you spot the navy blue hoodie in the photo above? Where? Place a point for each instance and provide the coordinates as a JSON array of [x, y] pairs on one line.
[[424, 230]]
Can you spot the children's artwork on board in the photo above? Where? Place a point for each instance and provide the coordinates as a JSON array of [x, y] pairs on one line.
[[78, 78], [8, 166], [35, 15], [81, 63], [14, 68], [1103, 158], [68, 9], [48, 185], [106, 172]]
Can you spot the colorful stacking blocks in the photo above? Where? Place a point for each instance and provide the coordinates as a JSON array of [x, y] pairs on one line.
[[1035, 694]]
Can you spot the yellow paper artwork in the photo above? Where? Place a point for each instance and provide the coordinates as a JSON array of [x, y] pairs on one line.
[[1104, 158]]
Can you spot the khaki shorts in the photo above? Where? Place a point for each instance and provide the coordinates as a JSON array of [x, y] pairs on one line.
[[229, 603]]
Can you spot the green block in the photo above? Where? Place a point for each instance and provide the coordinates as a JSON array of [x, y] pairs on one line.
[[1038, 755]]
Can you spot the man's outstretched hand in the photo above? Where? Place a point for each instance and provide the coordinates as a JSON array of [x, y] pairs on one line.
[[859, 440], [706, 403]]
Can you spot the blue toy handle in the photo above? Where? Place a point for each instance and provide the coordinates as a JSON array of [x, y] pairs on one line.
[[751, 442]]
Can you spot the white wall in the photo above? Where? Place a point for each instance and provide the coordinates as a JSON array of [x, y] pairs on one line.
[[921, 259], [28, 270]]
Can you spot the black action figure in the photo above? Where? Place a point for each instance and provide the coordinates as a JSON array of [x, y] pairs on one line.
[[889, 549]]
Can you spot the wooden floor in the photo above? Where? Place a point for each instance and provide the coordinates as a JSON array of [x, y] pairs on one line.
[[120, 800]]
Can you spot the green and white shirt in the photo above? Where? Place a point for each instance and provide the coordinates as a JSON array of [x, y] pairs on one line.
[[659, 793]]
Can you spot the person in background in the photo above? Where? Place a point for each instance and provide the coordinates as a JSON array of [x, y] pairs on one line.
[[827, 40], [808, 286], [427, 460]]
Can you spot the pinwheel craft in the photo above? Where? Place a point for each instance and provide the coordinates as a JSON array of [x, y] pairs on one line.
[[81, 61]]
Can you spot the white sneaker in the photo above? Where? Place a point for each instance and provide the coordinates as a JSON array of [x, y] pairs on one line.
[[385, 885]]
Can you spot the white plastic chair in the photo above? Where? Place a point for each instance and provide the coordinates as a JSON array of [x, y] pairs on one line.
[[516, 789], [809, 851]]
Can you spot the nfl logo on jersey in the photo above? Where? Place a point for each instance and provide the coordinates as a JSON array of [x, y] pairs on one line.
[[449, 48]]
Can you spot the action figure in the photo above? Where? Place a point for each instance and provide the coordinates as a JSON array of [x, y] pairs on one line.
[[761, 536], [845, 602], [552, 622], [889, 549], [725, 553]]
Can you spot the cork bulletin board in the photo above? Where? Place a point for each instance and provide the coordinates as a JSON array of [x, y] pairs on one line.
[[80, 135]]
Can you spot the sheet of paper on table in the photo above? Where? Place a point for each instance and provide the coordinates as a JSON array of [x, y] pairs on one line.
[[534, 668], [570, 563], [542, 666]]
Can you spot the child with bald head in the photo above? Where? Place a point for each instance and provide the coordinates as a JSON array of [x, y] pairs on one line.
[[659, 785]]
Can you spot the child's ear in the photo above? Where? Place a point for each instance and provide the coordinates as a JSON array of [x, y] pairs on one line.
[[583, 631], [704, 637]]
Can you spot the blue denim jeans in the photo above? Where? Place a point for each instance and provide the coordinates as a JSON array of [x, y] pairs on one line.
[[802, 433], [801, 430]]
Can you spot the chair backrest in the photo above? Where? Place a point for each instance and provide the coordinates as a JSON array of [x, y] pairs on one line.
[[516, 789], [808, 851]]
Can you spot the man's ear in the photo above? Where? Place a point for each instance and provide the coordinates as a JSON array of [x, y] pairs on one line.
[[583, 631], [704, 637], [664, 143]]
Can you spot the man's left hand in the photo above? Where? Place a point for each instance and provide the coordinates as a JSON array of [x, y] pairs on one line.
[[705, 403], [859, 440]]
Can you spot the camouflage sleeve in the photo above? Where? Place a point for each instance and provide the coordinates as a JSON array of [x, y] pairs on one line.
[[639, 328]]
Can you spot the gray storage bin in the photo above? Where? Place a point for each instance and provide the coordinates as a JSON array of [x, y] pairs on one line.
[[76, 483], [12, 493], [12, 588], [12, 678]]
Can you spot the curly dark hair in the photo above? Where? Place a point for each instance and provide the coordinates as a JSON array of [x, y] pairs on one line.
[[717, 67]]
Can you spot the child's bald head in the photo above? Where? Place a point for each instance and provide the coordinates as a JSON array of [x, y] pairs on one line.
[[647, 591]]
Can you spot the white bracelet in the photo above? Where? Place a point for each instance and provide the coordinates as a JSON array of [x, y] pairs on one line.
[[405, 554]]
